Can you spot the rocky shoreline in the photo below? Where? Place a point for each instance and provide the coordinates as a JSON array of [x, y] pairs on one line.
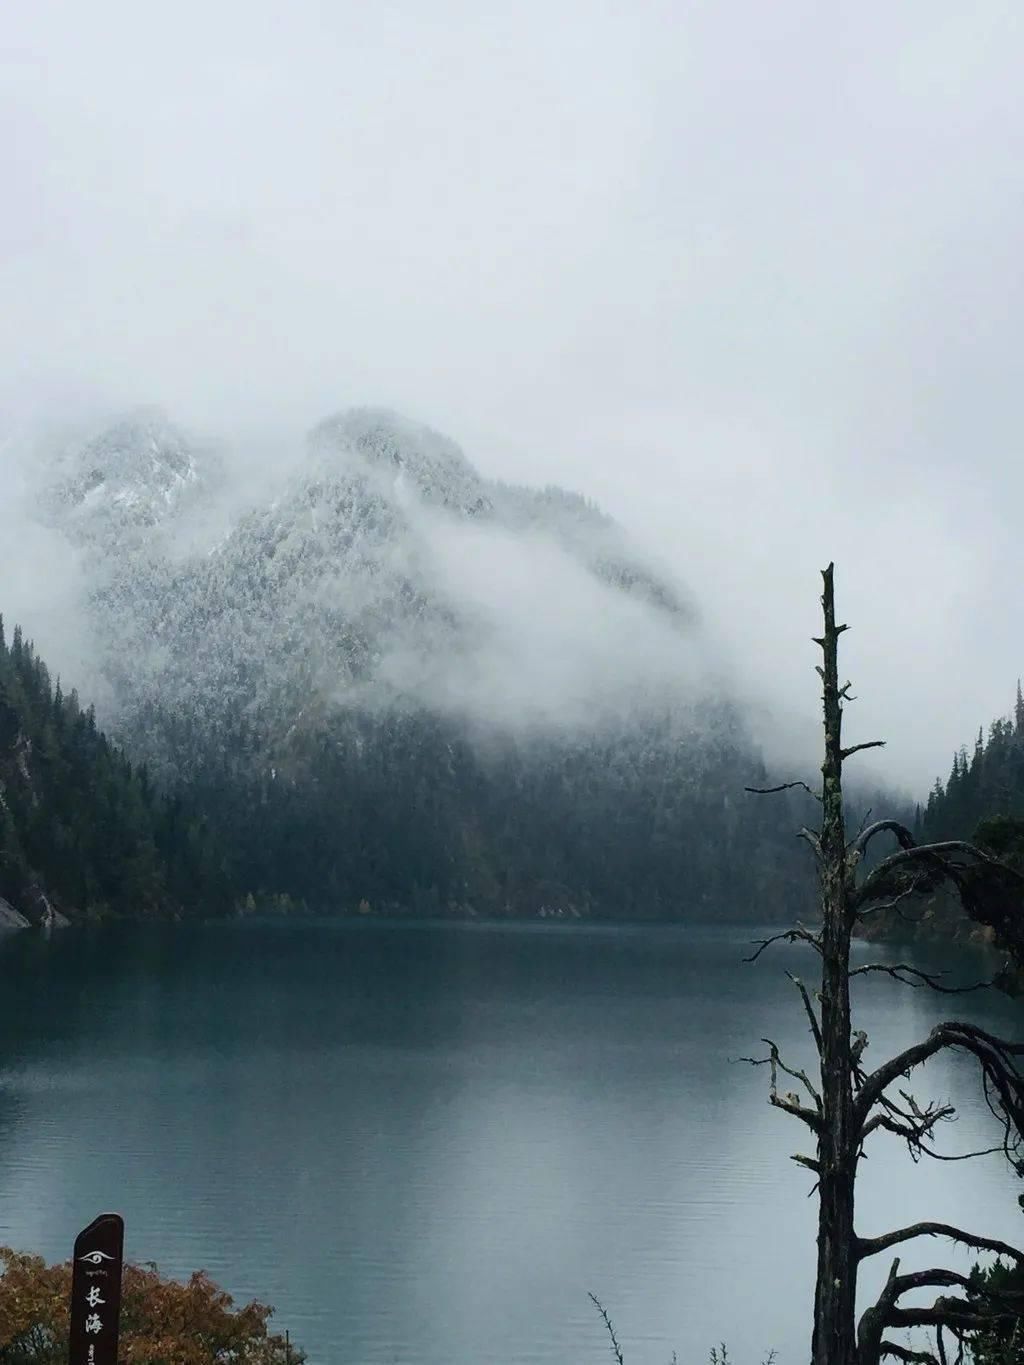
[[11, 918], [47, 918]]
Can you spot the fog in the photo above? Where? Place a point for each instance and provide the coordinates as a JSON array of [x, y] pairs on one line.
[[747, 275], [548, 645]]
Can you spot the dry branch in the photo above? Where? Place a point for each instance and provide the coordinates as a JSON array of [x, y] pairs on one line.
[[809, 1009], [939, 860], [915, 887], [799, 934], [899, 971], [789, 1101], [905, 1353], [807, 834], [864, 837], [872, 1246], [856, 748], [783, 787]]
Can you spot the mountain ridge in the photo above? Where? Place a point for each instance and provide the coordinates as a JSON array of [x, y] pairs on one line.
[[398, 683], [355, 554]]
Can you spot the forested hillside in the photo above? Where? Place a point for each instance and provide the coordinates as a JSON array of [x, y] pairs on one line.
[[412, 812], [393, 687], [982, 801], [987, 782], [81, 832], [397, 686], [408, 813]]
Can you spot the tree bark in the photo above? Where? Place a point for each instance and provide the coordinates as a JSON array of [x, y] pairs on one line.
[[834, 1337]]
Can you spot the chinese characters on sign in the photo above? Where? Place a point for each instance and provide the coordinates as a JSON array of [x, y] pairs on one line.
[[96, 1291]]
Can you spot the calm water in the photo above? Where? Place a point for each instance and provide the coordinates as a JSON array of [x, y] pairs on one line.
[[427, 1144]]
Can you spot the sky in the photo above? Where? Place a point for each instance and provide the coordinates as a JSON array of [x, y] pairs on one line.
[[749, 275]]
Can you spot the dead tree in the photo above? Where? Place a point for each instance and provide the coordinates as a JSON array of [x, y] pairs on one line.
[[845, 1106]]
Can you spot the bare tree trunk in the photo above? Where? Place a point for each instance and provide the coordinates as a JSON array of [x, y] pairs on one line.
[[852, 1104], [834, 1337]]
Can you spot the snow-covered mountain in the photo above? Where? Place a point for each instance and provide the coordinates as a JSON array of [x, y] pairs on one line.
[[397, 682], [386, 572], [127, 481]]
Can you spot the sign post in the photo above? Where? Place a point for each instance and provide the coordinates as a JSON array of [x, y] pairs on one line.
[[96, 1291]]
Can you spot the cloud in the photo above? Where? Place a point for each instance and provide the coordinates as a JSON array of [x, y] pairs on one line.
[[544, 644], [746, 274]]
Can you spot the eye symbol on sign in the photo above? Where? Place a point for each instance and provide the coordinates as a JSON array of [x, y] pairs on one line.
[[95, 1257]]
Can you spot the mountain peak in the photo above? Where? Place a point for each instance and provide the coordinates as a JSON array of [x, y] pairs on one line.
[[135, 472], [406, 453]]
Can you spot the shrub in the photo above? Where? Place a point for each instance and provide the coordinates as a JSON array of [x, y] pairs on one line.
[[163, 1322]]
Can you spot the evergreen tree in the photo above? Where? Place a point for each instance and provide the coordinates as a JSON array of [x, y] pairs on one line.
[[992, 783], [79, 830]]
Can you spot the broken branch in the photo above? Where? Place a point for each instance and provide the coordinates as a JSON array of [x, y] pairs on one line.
[[844, 754], [809, 1008]]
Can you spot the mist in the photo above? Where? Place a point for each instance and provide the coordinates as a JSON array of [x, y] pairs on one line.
[[747, 276], [553, 648]]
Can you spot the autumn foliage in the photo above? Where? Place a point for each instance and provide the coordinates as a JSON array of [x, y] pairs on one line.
[[163, 1322]]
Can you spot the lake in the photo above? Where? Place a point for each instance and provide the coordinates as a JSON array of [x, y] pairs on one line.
[[428, 1143]]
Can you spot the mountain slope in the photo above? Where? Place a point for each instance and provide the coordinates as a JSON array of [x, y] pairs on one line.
[[81, 832], [387, 572], [399, 684], [982, 801]]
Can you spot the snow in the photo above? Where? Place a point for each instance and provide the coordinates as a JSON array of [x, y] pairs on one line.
[[377, 574]]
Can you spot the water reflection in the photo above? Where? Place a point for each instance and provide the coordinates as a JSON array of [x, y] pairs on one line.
[[430, 1143]]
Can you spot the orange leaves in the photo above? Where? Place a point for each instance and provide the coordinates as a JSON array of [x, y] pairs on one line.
[[163, 1322], [34, 1308]]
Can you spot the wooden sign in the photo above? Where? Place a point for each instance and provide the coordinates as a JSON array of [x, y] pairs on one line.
[[96, 1291]]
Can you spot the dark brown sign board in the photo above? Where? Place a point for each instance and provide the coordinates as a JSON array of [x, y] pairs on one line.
[[96, 1291]]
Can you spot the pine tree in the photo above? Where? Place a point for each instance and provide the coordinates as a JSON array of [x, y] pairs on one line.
[[992, 784], [78, 824]]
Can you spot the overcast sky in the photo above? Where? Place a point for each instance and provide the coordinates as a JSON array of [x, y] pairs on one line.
[[749, 274]]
